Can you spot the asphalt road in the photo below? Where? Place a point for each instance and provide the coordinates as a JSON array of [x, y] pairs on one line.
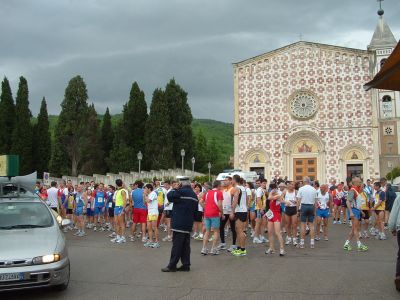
[[102, 270]]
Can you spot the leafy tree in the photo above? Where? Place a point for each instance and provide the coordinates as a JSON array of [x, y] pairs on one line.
[[41, 141], [180, 118], [158, 135], [22, 133], [129, 136], [71, 129], [92, 147], [107, 134], [7, 117], [201, 152]]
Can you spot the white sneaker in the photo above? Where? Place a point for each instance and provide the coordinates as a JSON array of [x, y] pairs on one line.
[[264, 239], [121, 240], [231, 248], [334, 222], [256, 240], [204, 251], [167, 239], [294, 242], [95, 228], [114, 240], [112, 235], [194, 235], [288, 241], [82, 233], [282, 252], [77, 233], [221, 246], [155, 245], [144, 240], [382, 236]]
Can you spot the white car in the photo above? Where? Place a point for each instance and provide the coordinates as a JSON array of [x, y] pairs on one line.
[[33, 251]]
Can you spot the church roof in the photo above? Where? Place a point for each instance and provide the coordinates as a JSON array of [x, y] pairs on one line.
[[383, 36], [298, 44]]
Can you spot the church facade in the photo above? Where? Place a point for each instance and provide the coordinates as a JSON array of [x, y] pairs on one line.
[[301, 110]]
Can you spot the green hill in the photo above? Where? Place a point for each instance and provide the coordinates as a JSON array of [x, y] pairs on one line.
[[222, 132]]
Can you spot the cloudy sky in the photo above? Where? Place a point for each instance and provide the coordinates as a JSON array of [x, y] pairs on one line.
[[113, 43]]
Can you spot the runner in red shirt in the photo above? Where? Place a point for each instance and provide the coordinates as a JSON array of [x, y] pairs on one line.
[[212, 203]]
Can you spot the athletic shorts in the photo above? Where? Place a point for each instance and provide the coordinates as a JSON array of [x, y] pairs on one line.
[[276, 217], [344, 203], [259, 213], [168, 214], [337, 202], [152, 218], [242, 216], [307, 213], [70, 211], [323, 213], [291, 210], [366, 215], [198, 216], [212, 222], [118, 210], [139, 216], [379, 211], [111, 212], [356, 213], [283, 208], [89, 212], [98, 211], [78, 211]]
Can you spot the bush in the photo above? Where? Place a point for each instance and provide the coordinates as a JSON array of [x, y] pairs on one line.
[[394, 173]]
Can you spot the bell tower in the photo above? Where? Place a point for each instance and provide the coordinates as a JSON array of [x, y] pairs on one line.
[[387, 103]]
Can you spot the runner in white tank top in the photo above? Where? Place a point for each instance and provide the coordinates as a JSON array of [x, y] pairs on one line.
[[291, 204]]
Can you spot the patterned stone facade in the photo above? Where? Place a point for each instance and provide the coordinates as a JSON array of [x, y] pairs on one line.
[[345, 121]]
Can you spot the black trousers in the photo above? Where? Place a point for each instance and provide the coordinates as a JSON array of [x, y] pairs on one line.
[[398, 255], [180, 250], [222, 229]]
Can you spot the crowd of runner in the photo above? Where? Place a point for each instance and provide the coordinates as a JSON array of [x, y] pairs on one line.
[[262, 212]]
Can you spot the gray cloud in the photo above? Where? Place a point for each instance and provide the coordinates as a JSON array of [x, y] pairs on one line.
[[113, 43]]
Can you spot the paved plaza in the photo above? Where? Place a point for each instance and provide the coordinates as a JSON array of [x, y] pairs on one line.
[[101, 270]]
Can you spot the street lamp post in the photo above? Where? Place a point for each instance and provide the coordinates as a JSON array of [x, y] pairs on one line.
[[183, 158], [139, 157], [193, 161], [209, 171]]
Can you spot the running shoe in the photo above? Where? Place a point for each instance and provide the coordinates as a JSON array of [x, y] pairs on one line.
[[94, 228], [102, 229], [232, 248], [82, 233], [334, 222], [347, 247], [221, 246], [214, 252], [257, 241], [326, 238], [147, 244], [204, 251], [362, 248], [155, 245], [132, 239], [301, 245], [269, 251], [264, 239], [114, 240], [194, 235], [288, 241], [77, 233], [167, 239], [112, 235], [240, 253], [295, 242], [382, 237], [282, 252], [121, 240], [339, 222], [317, 238]]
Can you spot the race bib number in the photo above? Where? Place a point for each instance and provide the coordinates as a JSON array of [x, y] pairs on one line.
[[321, 205], [110, 204], [88, 205], [100, 200], [270, 214]]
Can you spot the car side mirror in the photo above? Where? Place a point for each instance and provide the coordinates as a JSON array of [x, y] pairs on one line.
[[65, 222]]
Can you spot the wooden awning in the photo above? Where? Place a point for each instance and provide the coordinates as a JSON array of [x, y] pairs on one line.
[[388, 78]]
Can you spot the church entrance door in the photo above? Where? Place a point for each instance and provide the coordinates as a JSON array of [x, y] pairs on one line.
[[304, 167]]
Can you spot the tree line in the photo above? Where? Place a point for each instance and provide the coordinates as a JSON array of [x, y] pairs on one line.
[[84, 143]]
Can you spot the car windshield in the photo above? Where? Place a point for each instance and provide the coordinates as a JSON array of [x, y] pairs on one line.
[[12, 191], [24, 215]]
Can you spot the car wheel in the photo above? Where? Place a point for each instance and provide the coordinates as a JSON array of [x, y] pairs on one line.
[[63, 287]]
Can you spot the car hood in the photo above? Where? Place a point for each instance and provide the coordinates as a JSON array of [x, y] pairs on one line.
[[28, 243]]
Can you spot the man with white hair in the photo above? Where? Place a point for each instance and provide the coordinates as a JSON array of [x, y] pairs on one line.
[[307, 195], [185, 204]]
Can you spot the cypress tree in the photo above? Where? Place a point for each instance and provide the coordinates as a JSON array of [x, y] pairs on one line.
[[107, 134], [42, 141], [71, 129], [201, 152], [7, 117], [92, 147], [180, 117], [158, 135], [130, 138], [22, 133]]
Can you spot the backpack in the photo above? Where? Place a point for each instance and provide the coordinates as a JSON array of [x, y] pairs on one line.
[[160, 197]]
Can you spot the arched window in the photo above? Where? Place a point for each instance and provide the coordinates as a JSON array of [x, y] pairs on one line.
[[386, 98]]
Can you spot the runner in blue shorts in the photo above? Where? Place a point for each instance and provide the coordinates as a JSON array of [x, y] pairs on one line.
[[324, 204], [99, 203]]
